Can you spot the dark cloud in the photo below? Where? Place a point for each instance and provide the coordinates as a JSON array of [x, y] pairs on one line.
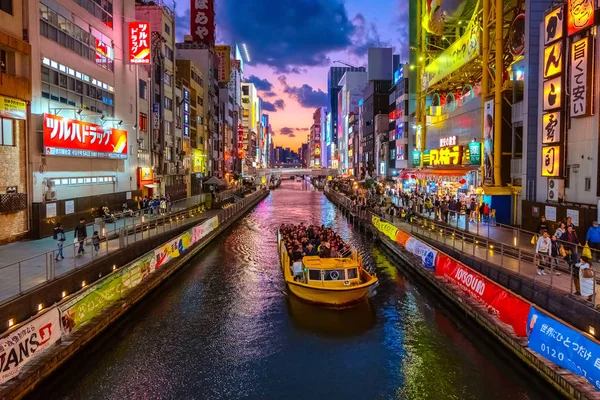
[[280, 104], [269, 94], [402, 42], [287, 34], [365, 36], [287, 132], [260, 84], [273, 107], [305, 94], [182, 25]]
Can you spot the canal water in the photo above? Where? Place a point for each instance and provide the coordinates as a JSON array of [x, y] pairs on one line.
[[225, 328]]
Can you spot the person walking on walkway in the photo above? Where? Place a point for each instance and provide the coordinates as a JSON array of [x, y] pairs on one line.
[[586, 278], [593, 239], [542, 225], [542, 250], [59, 236], [80, 235], [570, 238], [573, 260], [472, 210], [96, 241]]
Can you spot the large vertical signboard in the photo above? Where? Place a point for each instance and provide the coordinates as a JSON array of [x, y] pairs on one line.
[[223, 54], [139, 42], [202, 23], [552, 118], [488, 143], [580, 77]]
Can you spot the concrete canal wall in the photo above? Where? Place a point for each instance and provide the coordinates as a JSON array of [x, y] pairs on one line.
[[565, 357], [31, 351]]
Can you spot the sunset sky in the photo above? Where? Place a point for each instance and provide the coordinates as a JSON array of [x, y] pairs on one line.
[[292, 44]]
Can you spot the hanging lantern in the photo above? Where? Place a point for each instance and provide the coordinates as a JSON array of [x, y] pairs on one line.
[[405, 176], [462, 181], [413, 176]]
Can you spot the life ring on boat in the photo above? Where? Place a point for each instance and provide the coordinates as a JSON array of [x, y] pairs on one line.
[[334, 275], [346, 283]]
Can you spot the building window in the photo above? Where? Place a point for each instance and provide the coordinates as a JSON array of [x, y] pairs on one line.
[[8, 136], [168, 53], [200, 101], [3, 61], [6, 6], [588, 184], [65, 32], [167, 125], [142, 89], [245, 90], [167, 29], [101, 9], [168, 104], [246, 113], [168, 153], [76, 89], [143, 122], [167, 79]]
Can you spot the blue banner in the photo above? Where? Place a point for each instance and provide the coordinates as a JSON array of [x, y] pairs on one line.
[[564, 346]]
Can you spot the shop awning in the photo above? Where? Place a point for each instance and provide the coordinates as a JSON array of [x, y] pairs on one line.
[[440, 172], [151, 186]]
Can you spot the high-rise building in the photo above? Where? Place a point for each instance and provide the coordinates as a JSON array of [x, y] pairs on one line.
[[168, 178], [84, 104], [352, 84], [252, 125], [15, 93], [333, 78]]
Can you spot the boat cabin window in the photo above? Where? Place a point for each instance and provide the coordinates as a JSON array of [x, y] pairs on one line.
[[335, 275], [352, 273], [314, 274]]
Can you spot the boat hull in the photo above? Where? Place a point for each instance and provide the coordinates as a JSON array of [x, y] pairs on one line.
[[338, 298]]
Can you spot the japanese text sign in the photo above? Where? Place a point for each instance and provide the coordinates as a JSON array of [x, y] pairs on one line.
[[66, 137], [580, 15], [447, 156], [448, 141], [554, 24], [551, 161], [581, 61], [139, 42], [553, 59], [564, 346], [202, 15], [223, 54], [12, 108], [551, 127], [552, 93]]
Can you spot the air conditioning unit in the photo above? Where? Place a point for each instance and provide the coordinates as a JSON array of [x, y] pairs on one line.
[[556, 189], [50, 195]]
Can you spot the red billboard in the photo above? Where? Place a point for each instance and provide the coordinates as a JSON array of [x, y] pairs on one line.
[[580, 15], [72, 138], [202, 21], [139, 42], [509, 308]]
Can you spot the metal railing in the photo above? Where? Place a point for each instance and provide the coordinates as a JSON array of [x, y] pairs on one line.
[[514, 258], [27, 274]]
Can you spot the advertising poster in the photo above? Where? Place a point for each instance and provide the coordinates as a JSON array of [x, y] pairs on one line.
[[420, 249], [69, 207], [564, 346], [509, 308], [12, 108], [139, 42], [85, 306], [402, 237], [20, 346], [386, 228], [475, 153], [139, 270], [488, 143], [574, 214], [550, 213], [50, 210], [67, 137]]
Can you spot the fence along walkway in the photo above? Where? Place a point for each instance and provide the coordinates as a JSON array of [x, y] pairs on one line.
[[495, 248], [26, 265]]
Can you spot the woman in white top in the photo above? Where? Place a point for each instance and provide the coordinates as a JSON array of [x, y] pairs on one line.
[[543, 251], [586, 278]]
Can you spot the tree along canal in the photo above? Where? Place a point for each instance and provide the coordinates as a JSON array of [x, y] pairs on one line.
[[224, 328]]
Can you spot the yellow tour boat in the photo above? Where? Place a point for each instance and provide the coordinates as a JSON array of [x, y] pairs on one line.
[[336, 282]]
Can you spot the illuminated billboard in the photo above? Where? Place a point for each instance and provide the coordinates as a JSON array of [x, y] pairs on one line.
[[202, 21], [72, 138], [139, 43]]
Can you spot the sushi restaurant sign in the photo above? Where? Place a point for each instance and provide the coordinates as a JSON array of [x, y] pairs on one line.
[[73, 138]]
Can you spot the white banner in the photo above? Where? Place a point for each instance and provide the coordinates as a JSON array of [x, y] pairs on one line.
[[24, 344], [579, 77], [422, 250]]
